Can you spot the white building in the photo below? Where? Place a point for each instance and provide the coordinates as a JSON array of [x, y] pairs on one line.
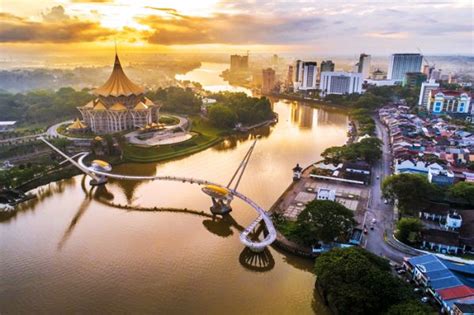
[[441, 102], [382, 82], [400, 64], [7, 125], [306, 74], [415, 167], [453, 221], [340, 83], [426, 88], [326, 194], [364, 66]]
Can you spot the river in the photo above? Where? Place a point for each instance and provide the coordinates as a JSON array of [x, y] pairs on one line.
[[68, 251]]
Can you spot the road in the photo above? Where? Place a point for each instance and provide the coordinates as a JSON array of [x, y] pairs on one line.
[[377, 209]]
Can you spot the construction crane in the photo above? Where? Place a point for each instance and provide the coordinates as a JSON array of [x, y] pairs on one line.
[[432, 66]]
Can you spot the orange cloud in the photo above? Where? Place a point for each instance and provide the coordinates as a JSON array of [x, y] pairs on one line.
[[56, 27], [177, 29]]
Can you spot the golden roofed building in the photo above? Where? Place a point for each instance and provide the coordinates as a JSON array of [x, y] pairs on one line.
[[120, 105], [77, 125]]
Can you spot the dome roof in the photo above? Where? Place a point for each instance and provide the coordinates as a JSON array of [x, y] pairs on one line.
[[89, 105], [148, 102], [118, 107], [100, 106], [118, 84], [77, 124], [140, 106]]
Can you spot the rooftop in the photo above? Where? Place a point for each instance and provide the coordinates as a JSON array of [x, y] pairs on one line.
[[118, 83]]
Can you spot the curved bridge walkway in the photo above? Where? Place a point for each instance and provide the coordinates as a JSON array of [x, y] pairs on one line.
[[254, 245]]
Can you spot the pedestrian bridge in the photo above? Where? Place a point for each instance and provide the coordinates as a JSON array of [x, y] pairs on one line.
[[255, 245]]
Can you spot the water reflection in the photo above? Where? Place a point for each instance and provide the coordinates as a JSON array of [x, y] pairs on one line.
[[222, 225], [232, 141], [302, 115], [41, 194], [258, 262]]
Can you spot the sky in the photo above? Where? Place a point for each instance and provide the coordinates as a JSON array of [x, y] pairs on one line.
[[273, 26]]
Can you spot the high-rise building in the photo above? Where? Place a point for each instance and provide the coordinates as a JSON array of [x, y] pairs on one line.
[[289, 77], [327, 66], [400, 64], [268, 80], [239, 63], [427, 70], [435, 74], [413, 79], [425, 90], [340, 82], [364, 66], [306, 73]]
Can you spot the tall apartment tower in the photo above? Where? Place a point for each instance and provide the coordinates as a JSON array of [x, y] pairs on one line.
[[238, 63], [327, 66], [426, 88], [289, 76], [268, 80], [306, 73], [400, 64], [364, 66]]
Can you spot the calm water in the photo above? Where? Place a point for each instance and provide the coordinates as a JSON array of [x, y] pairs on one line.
[[70, 251]]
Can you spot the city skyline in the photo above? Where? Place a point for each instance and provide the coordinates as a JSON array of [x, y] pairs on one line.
[[378, 28]]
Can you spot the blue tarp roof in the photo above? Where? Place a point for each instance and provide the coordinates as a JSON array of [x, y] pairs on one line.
[[442, 273]]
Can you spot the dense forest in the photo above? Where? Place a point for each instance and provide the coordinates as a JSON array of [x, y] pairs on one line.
[[43, 106], [233, 108]]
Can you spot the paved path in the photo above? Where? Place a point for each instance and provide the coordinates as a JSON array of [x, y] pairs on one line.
[[380, 240]]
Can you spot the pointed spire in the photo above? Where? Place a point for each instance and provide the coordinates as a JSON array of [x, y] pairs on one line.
[[118, 83]]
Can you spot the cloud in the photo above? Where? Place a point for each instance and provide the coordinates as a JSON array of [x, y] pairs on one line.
[[221, 28], [56, 27], [56, 14]]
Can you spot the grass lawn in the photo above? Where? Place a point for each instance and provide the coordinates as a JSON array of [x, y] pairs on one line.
[[205, 137]]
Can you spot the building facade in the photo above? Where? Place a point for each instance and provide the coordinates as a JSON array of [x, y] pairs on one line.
[[414, 79], [120, 105], [340, 83], [400, 64], [449, 102], [364, 66], [239, 63], [426, 88], [268, 80], [327, 66], [306, 74]]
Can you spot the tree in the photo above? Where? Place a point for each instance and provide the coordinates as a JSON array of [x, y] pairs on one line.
[[323, 220], [221, 116], [355, 281], [411, 190], [463, 191], [333, 155], [408, 229], [369, 149]]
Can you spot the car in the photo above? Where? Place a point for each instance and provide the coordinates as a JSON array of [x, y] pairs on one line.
[[401, 271], [372, 227], [385, 201], [416, 290], [374, 220], [365, 231], [425, 299], [378, 177]]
